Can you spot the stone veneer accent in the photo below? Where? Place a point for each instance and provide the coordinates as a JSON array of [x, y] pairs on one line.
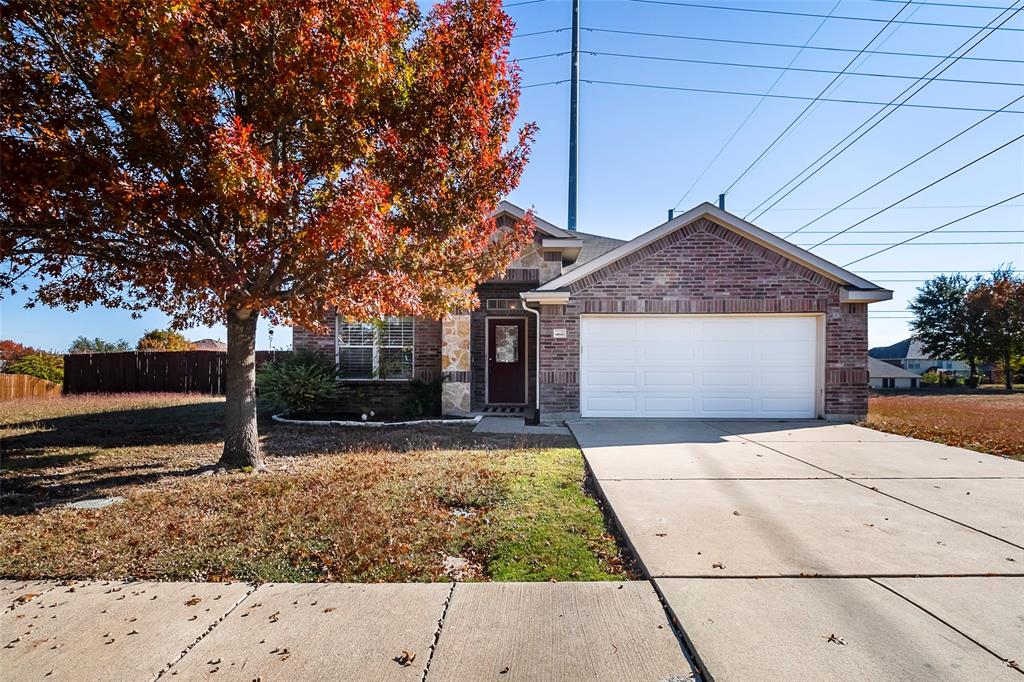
[[455, 365], [704, 268]]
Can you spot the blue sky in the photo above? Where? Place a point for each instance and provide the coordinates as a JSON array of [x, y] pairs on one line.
[[641, 148]]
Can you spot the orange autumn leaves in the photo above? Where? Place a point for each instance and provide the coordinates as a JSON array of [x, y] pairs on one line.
[[279, 157]]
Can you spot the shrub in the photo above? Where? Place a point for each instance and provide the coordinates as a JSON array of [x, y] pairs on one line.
[[83, 344], [164, 339], [41, 365], [930, 378], [298, 383], [424, 399]]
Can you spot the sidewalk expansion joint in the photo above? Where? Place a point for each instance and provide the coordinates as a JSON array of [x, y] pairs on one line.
[[252, 589], [437, 632], [941, 620], [700, 673]]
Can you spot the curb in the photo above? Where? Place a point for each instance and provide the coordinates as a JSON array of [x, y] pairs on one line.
[[280, 418]]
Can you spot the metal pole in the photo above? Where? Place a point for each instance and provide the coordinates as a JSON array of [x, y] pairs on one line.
[[721, 201], [574, 114]]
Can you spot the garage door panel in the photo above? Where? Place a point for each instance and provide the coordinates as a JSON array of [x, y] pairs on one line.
[[667, 355], [782, 405], [792, 380], [665, 379], [654, 331], [611, 354], [734, 379], [617, 330], [726, 405], [781, 354], [612, 379], [698, 366], [721, 352], [667, 406]]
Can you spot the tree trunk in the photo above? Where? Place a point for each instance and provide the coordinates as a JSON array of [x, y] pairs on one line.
[[241, 440], [1007, 371], [972, 380]]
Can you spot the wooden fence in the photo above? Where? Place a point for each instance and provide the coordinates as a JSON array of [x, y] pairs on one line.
[[188, 371], [19, 386]]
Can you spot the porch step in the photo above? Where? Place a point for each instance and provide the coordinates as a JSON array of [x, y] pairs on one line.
[[504, 410]]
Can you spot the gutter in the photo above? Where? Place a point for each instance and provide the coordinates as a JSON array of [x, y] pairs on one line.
[[536, 381]]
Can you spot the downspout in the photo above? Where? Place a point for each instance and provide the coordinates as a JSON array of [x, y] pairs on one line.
[[536, 381]]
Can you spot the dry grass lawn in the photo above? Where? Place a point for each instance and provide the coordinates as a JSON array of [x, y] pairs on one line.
[[987, 422], [398, 504]]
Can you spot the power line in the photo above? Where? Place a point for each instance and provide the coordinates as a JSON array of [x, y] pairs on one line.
[[754, 10], [523, 2], [905, 166], [946, 4], [934, 229], [896, 208], [539, 33], [921, 189], [926, 79], [1017, 231], [793, 97], [819, 96], [923, 244], [791, 68], [758, 43], [540, 85], [751, 113], [545, 56]]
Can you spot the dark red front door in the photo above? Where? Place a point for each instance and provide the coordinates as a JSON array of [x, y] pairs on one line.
[[506, 361]]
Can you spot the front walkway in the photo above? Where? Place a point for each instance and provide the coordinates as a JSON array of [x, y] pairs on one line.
[[808, 550], [441, 631]]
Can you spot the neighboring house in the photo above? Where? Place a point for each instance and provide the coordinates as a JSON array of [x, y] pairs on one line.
[[910, 355], [705, 315], [884, 375], [209, 344]]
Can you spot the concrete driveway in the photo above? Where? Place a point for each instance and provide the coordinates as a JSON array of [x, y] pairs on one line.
[[810, 550]]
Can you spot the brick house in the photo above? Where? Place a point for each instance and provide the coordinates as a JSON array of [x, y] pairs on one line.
[[705, 316]]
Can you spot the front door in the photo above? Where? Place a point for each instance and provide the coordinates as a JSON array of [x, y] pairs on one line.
[[506, 361]]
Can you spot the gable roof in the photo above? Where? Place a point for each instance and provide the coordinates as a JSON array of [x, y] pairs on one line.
[[856, 289], [897, 351], [594, 246], [542, 225], [879, 369]]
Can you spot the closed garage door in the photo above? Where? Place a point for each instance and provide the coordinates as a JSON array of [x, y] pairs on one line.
[[724, 366]]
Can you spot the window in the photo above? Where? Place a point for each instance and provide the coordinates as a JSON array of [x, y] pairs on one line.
[[888, 383], [375, 350], [506, 343]]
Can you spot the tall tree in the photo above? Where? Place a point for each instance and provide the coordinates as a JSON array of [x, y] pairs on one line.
[[945, 324], [999, 303], [226, 160], [83, 344]]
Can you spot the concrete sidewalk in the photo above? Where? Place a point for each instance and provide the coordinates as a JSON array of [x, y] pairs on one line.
[[442, 631], [808, 550]]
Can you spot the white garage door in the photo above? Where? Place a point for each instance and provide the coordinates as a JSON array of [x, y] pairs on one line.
[[723, 366]]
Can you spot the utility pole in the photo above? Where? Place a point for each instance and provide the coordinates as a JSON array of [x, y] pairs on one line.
[[574, 115]]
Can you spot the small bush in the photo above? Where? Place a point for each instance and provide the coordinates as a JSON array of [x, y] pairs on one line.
[[299, 383], [930, 378], [424, 399], [40, 365]]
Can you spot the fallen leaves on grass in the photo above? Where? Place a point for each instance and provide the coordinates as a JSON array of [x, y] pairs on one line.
[[977, 421], [333, 505]]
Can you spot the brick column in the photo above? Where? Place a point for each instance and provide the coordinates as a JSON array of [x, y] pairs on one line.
[[455, 392]]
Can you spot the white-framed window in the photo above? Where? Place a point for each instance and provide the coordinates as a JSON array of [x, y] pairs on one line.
[[375, 350]]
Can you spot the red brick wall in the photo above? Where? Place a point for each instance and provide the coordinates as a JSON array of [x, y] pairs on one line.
[[705, 268]]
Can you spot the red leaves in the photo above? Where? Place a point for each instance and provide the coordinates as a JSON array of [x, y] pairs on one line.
[[282, 157]]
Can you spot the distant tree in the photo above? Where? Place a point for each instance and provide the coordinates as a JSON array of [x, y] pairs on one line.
[[12, 350], [163, 339], [944, 322], [98, 345], [999, 304], [40, 364], [226, 160]]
